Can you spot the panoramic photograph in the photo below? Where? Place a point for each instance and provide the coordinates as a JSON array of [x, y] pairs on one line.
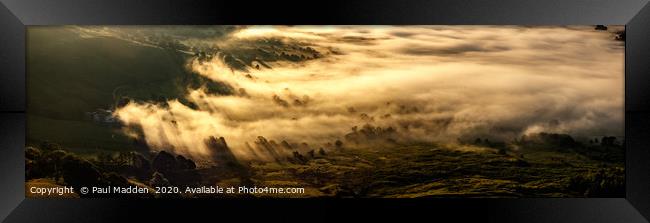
[[325, 111]]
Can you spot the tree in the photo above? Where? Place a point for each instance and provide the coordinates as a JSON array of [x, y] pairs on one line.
[[50, 146], [140, 162], [78, 173], [164, 162], [51, 163], [32, 153], [159, 180], [184, 163], [608, 141], [115, 179], [339, 144], [299, 158]]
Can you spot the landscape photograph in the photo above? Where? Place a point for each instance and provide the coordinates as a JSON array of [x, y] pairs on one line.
[[456, 111]]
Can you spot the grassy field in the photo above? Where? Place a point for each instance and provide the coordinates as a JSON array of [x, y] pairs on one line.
[[433, 171], [82, 136], [68, 76], [400, 171]]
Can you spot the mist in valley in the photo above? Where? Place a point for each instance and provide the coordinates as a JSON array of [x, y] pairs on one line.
[[339, 111], [424, 84]]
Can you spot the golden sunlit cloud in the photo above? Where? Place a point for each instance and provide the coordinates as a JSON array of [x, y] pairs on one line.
[[429, 83]]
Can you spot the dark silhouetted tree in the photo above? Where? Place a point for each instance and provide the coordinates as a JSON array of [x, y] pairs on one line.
[[339, 144], [77, 172], [608, 141], [158, 180], [164, 162]]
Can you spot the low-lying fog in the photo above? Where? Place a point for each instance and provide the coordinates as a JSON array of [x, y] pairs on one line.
[[429, 83]]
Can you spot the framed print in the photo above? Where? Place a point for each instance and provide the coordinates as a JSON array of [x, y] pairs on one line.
[[511, 111]]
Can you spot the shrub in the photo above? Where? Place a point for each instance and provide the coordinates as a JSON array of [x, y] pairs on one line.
[[32, 153], [605, 182]]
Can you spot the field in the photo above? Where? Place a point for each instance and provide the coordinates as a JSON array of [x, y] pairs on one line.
[[410, 171]]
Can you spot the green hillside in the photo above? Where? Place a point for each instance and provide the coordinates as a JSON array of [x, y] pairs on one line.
[[68, 76]]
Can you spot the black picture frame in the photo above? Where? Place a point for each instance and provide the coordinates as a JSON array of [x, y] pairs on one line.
[[15, 15]]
